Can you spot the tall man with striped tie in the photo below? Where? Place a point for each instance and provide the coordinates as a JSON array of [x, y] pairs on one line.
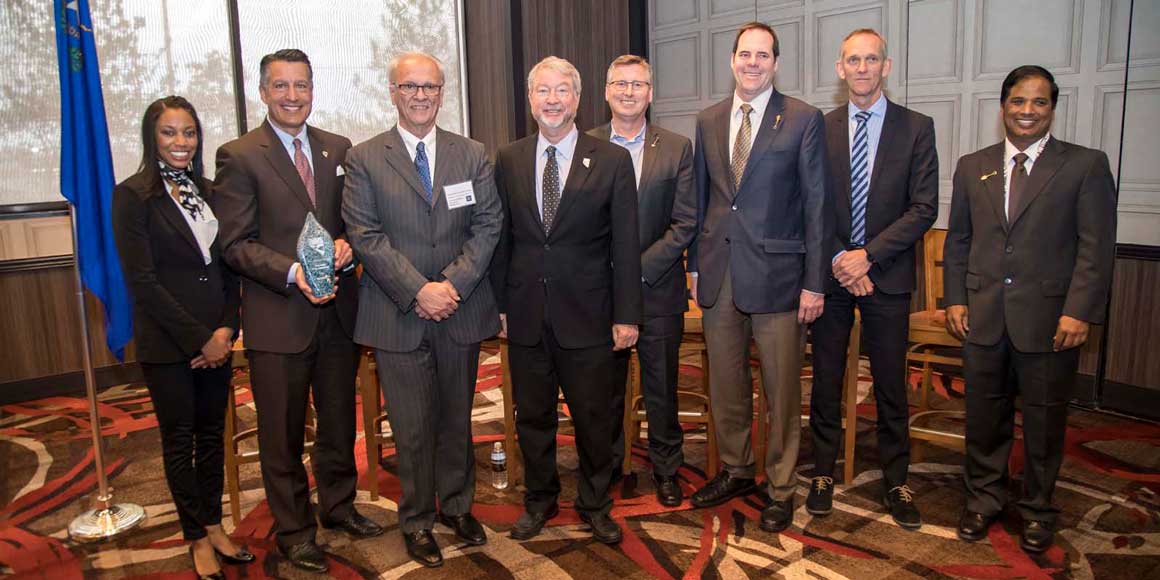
[[884, 191]]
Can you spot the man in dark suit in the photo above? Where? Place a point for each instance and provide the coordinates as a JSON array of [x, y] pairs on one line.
[[667, 211], [423, 218], [760, 164], [567, 278], [884, 197], [1028, 258], [267, 181]]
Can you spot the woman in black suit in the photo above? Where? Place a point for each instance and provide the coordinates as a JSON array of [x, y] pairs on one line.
[[185, 317]]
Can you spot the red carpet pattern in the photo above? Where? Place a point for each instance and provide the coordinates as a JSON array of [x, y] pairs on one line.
[[1109, 525]]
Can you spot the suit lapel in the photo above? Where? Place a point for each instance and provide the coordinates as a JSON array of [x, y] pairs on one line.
[[838, 137], [324, 169], [577, 175], [526, 179], [447, 157], [993, 182], [648, 163], [888, 128], [1045, 167], [721, 125], [770, 122], [399, 158], [172, 214], [284, 166]]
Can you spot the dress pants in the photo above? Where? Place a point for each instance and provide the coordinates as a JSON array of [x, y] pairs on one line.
[[282, 385], [429, 393], [994, 376], [780, 342], [659, 351], [190, 405], [885, 329], [587, 377]]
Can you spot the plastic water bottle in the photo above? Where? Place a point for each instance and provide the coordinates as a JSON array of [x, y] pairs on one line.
[[499, 475]]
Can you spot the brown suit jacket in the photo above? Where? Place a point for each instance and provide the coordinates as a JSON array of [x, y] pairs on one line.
[[261, 204], [1053, 257]]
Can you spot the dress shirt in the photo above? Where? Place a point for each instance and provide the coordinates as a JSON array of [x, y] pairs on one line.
[[635, 148], [758, 103], [412, 144], [565, 149], [873, 136], [288, 143], [204, 228], [1033, 152]]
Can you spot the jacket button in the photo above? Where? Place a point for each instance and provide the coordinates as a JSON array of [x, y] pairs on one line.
[[734, 208], [1009, 249], [547, 246], [726, 241], [1007, 281], [203, 278]]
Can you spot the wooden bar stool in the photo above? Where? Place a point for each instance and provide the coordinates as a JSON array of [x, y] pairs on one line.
[[373, 417]]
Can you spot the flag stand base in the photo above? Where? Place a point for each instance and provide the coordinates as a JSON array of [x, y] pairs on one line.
[[106, 522]]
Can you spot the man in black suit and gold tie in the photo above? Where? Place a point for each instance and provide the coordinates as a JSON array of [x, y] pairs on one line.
[[567, 276], [760, 165], [667, 211], [884, 197], [297, 343], [1028, 264], [423, 219]]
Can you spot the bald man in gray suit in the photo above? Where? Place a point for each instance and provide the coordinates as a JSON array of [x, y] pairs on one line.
[[423, 217]]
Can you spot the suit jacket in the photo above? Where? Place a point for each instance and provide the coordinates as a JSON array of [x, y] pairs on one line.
[[262, 204], [178, 299], [1054, 256], [902, 202], [585, 275], [403, 242], [770, 231], [667, 212]]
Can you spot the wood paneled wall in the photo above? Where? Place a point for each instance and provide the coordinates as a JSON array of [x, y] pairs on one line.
[[1132, 356]]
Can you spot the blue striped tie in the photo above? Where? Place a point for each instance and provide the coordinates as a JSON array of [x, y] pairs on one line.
[[421, 166], [859, 180]]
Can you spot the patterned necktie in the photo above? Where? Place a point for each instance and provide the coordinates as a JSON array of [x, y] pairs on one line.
[[859, 179], [742, 145], [1018, 184], [551, 188], [303, 165], [424, 170]]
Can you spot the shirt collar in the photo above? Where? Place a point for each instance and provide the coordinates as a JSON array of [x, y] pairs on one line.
[[620, 139], [564, 148], [288, 139], [878, 109], [412, 141], [1033, 150], [759, 102]]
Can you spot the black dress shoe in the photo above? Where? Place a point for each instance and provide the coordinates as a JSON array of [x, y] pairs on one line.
[[466, 527], [616, 476], [242, 556], [604, 529], [973, 526], [669, 491], [529, 524], [356, 525], [900, 501], [307, 556], [721, 489], [219, 575], [421, 547], [820, 501], [778, 516], [1037, 536]]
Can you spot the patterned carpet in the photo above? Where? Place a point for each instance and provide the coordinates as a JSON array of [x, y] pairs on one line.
[[1109, 527]]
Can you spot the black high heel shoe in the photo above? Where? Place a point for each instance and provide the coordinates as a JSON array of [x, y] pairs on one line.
[[242, 556], [219, 575]]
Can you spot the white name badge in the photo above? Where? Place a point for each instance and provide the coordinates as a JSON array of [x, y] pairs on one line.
[[459, 195]]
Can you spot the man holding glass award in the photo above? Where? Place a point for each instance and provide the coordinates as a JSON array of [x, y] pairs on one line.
[[272, 183]]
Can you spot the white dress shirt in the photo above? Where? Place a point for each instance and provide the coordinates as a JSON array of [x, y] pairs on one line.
[[205, 228], [565, 149], [1033, 152], [288, 143], [758, 103], [412, 144], [635, 147]]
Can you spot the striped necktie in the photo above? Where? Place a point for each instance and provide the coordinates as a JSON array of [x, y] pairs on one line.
[[859, 179], [424, 170]]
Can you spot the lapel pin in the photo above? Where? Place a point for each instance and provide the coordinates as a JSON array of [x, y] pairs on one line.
[[777, 121], [325, 153], [586, 162], [989, 175], [654, 141]]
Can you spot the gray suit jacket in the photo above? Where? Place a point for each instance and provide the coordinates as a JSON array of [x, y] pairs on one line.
[[403, 242], [667, 213], [1053, 257]]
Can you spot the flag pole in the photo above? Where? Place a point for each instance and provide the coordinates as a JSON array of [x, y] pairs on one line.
[[106, 520]]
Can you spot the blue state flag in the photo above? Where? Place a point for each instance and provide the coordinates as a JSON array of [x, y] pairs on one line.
[[86, 168]]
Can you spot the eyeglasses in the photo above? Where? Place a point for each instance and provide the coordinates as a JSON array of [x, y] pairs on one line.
[[410, 89], [621, 86]]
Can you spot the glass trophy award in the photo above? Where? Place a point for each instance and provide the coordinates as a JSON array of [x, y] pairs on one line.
[[316, 255]]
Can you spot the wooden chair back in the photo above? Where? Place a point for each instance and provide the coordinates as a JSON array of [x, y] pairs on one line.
[[932, 267]]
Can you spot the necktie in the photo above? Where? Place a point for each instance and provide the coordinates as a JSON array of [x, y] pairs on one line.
[[424, 169], [742, 145], [303, 165], [1018, 183], [859, 179], [551, 188]]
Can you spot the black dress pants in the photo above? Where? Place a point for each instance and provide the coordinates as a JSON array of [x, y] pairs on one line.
[[190, 405], [586, 375], [885, 328], [282, 385], [659, 351]]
